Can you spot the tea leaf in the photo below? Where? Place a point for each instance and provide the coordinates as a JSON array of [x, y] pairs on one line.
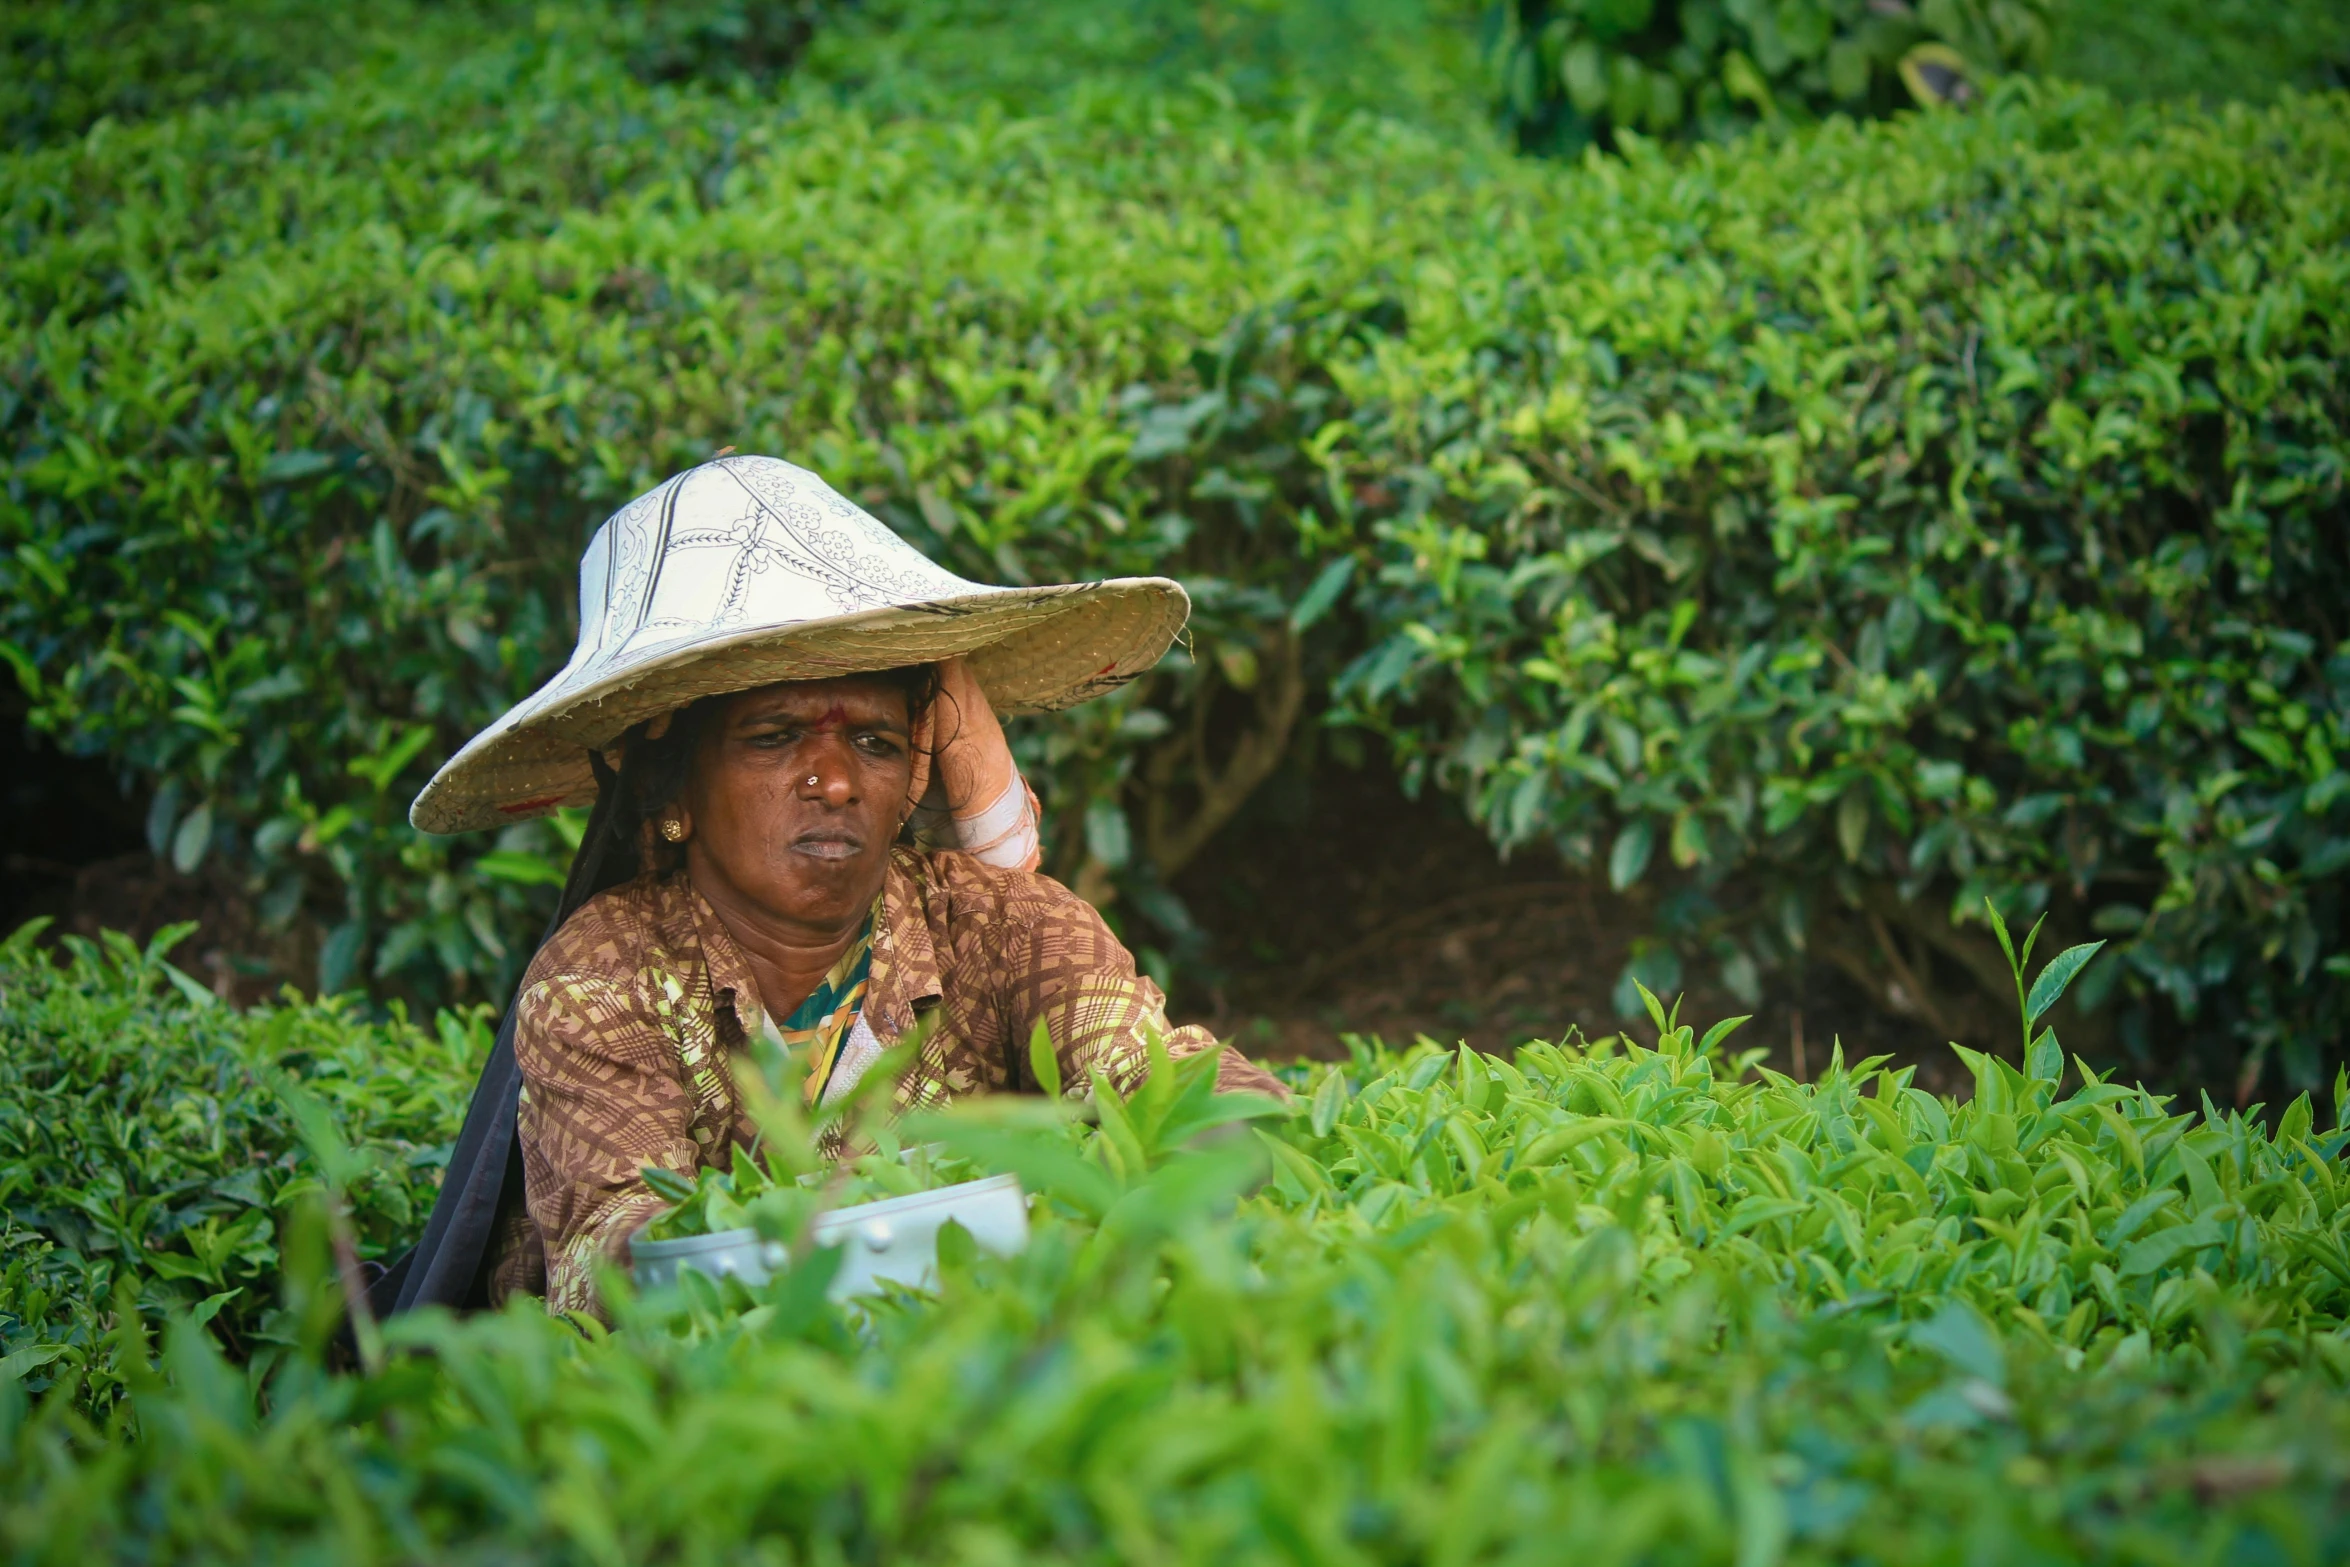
[[2053, 979], [1329, 1102], [667, 1184], [1719, 1032], [1044, 1062], [1959, 1335], [1629, 857], [2044, 1062]]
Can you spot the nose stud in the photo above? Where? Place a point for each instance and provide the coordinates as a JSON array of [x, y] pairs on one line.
[[811, 780]]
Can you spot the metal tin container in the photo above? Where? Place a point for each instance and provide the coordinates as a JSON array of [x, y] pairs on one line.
[[894, 1241], [728, 1254]]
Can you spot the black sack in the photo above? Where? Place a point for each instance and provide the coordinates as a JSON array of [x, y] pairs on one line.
[[450, 1264]]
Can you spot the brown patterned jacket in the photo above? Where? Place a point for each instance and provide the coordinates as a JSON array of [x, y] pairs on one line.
[[629, 1019]]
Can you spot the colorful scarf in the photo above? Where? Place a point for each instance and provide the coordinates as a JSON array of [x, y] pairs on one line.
[[820, 1025]]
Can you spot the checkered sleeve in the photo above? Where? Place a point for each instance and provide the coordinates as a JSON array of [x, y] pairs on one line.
[[603, 1095], [1100, 1011]]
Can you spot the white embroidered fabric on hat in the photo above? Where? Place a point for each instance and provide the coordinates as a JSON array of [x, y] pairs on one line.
[[748, 570]]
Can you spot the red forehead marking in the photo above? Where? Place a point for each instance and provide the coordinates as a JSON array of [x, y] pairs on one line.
[[835, 717]]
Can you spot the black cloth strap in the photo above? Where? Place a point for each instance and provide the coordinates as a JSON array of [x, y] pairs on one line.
[[450, 1264]]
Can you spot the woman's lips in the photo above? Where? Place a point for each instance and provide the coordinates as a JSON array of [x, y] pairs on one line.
[[828, 844]]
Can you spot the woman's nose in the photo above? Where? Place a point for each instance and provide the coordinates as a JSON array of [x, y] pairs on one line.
[[828, 771]]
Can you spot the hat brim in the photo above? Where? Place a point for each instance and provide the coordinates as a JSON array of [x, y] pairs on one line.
[[1031, 649]]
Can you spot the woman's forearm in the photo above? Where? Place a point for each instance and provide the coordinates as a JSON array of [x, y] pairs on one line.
[[995, 812]]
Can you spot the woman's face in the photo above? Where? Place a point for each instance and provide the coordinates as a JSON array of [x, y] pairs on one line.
[[793, 796]]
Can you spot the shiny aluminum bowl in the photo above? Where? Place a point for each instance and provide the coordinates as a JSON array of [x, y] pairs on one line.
[[894, 1241], [728, 1254]]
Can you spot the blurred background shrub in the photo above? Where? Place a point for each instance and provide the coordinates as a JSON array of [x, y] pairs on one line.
[[1563, 74], [148, 1159], [1570, 72], [1826, 529], [2207, 50]]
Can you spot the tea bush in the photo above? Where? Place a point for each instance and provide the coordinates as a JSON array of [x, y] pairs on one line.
[[1823, 531], [2208, 49], [1569, 72], [1411, 60], [1961, 541], [148, 1148], [73, 67], [1635, 1304]]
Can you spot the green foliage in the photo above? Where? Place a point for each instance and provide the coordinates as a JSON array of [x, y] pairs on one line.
[[745, 44], [1828, 531], [778, 1202], [1944, 524], [146, 1144], [73, 66], [389, 559], [781, 1188], [2210, 49], [1645, 1304], [70, 66], [1571, 72], [1315, 60]]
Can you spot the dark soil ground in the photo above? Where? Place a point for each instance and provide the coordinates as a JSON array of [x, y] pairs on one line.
[[1337, 905], [73, 848], [68, 836], [1334, 905]]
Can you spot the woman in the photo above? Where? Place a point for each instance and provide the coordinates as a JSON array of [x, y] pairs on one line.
[[765, 677]]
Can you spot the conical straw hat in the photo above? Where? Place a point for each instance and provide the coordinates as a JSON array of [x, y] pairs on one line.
[[746, 571]]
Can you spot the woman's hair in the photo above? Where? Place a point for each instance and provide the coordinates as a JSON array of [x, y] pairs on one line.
[[653, 771]]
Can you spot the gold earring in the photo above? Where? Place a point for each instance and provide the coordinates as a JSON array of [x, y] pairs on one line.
[[673, 829]]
